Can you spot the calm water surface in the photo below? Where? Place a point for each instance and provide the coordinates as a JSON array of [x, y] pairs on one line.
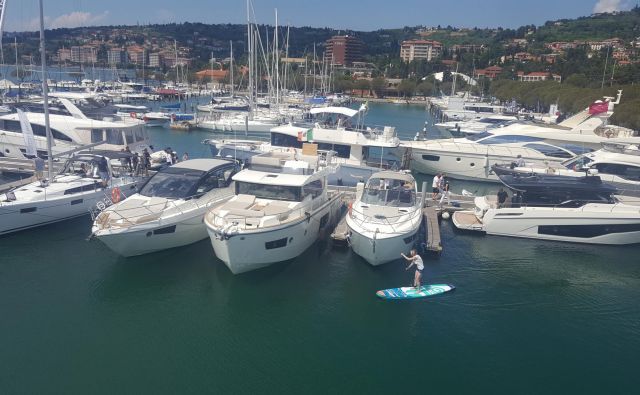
[[527, 316]]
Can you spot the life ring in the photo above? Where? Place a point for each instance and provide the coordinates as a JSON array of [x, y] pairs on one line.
[[115, 195], [133, 115]]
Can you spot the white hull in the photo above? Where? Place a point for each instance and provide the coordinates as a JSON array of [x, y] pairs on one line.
[[26, 215], [253, 127], [593, 224], [155, 236], [247, 250], [382, 250], [461, 166]]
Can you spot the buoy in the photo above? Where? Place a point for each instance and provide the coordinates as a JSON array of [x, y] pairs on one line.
[[446, 215], [115, 195]]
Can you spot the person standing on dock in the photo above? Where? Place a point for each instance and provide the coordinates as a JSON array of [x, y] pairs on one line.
[[185, 156], [435, 186], [445, 193], [416, 260]]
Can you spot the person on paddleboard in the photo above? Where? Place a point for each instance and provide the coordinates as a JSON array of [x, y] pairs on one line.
[[415, 259]]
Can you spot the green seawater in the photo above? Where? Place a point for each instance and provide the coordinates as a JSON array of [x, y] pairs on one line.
[[527, 317]]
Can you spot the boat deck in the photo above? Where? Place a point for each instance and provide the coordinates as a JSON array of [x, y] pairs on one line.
[[433, 241], [467, 219]]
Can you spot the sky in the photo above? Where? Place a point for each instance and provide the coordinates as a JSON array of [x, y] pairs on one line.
[[361, 15]]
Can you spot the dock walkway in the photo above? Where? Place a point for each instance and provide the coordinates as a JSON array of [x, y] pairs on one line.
[[434, 243]]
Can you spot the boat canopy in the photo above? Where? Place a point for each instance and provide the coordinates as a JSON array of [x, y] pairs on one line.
[[392, 175], [349, 112]]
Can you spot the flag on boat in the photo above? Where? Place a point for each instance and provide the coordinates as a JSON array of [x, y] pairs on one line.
[[598, 107], [306, 135]]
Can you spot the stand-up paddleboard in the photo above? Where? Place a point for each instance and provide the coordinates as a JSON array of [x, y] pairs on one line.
[[412, 292]]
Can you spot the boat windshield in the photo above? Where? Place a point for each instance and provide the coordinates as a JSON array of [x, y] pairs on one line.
[[272, 192], [478, 136], [389, 192], [577, 163], [172, 183]]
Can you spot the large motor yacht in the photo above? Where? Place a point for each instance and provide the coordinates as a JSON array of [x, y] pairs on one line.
[[75, 191], [359, 150], [384, 220], [580, 210], [168, 210], [281, 206], [615, 164], [70, 132]]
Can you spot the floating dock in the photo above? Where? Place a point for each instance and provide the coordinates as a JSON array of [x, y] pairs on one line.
[[432, 227]]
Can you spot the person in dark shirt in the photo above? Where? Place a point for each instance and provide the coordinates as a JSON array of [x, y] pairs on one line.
[[103, 170], [502, 198]]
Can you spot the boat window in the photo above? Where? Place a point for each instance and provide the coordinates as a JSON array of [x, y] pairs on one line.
[[217, 179], [273, 192], [627, 172], [172, 183], [575, 149], [139, 133], [433, 158], [97, 135], [478, 136], [114, 136], [586, 231], [270, 245], [510, 138], [128, 134], [577, 163], [314, 188], [342, 151], [283, 140], [38, 130], [550, 150]]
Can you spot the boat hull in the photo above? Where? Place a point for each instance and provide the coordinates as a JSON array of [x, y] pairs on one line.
[[249, 250], [381, 250], [153, 237]]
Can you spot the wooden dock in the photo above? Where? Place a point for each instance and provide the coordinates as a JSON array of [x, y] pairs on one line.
[[432, 227]]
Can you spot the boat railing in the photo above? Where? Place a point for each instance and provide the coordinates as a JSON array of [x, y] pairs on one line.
[[487, 149], [130, 216], [413, 216]]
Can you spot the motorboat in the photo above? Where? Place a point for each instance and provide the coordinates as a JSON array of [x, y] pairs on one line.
[[571, 209], [616, 164], [385, 219], [359, 149], [281, 206], [168, 210], [471, 157], [75, 191], [225, 104], [71, 132], [465, 128]]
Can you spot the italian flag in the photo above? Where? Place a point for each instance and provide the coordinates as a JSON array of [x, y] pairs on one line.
[[306, 135]]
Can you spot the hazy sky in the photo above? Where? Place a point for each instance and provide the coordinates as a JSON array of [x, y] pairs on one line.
[[358, 15]]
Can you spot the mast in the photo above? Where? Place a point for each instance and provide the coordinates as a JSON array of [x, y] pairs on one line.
[[286, 66], [3, 7], [276, 58], [250, 53], [231, 65], [45, 93]]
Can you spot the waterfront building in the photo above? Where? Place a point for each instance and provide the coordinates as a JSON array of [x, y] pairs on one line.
[[136, 55], [84, 54], [64, 55], [344, 50], [116, 56], [156, 60], [536, 76], [420, 49]]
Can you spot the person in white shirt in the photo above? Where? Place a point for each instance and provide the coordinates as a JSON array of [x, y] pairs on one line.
[[415, 259], [435, 186], [520, 162]]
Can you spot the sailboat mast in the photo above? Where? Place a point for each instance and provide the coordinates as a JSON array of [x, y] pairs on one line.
[[231, 65], [276, 59], [45, 93], [250, 53]]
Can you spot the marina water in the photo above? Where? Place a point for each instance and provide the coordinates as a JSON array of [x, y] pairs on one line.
[[527, 316]]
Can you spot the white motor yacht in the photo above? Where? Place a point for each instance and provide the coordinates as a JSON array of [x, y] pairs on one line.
[[384, 221], [579, 210], [281, 206], [168, 210], [616, 164], [358, 149], [74, 192], [465, 128], [70, 132]]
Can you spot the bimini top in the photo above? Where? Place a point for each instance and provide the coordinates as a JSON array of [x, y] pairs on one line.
[[393, 175], [349, 112], [201, 164]]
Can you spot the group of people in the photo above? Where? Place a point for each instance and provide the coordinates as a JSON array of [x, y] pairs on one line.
[[440, 186]]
